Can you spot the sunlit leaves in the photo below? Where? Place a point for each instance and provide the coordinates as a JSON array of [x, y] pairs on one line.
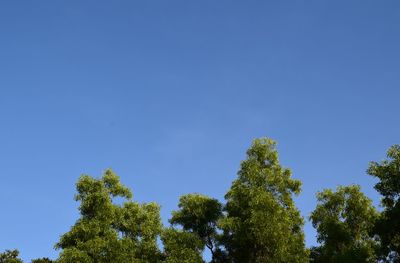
[[262, 222], [108, 232], [344, 220]]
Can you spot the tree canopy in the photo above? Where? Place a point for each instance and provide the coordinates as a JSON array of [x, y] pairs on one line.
[[199, 215], [10, 256], [262, 223], [107, 232], [388, 225], [257, 223], [344, 220]]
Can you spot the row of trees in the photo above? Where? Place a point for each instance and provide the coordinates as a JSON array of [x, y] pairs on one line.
[[258, 222]]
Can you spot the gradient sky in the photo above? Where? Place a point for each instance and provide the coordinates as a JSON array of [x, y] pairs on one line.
[[170, 95]]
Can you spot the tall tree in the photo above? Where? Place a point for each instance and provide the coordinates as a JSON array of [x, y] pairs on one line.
[[344, 220], [199, 215], [388, 225], [262, 223], [10, 256], [107, 232]]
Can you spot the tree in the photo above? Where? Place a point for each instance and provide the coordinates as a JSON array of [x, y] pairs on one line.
[[199, 215], [107, 232], [42, 260], [262, 223], [344, 220], [388, 225], [181, 246], [10, 256]]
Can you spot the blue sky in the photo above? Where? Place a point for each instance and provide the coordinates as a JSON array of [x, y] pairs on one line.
[[170, 95]]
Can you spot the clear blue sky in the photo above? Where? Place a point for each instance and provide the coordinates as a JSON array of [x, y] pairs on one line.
[[170, 95]]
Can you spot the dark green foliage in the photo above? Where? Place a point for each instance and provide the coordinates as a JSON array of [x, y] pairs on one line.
[[388, 225], [199, 215], [42, 260], [181, 246], [10, 256], [344, 220], [262, 222]]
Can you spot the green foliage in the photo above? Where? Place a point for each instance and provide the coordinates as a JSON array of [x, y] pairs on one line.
[[181, 246], [258, 224], [388, 225], [42, 260], [262, 222], [107, 232], [10, 256], [344, 220], [199, 215]]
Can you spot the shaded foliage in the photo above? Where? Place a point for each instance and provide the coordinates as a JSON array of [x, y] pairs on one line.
[[388, 225], [344, 220], [10, 256], [199, 214], [42, 260], [181, 246]]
